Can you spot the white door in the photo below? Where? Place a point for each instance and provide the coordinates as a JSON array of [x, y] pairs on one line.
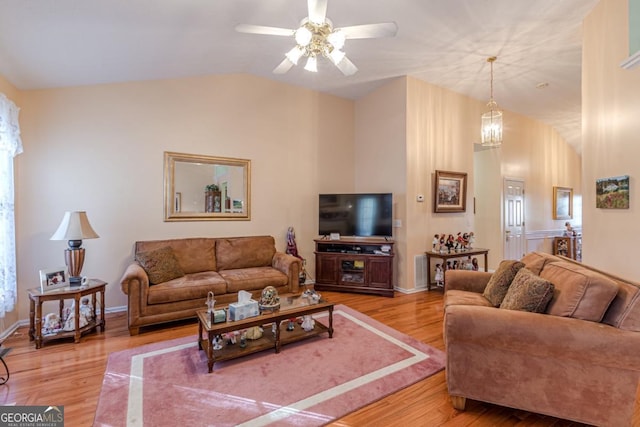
[[514, 243]]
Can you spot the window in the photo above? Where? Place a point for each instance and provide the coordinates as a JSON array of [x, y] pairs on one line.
[[10, 146]]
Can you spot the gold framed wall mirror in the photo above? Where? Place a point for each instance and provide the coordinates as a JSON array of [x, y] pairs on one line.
[[206, 188]]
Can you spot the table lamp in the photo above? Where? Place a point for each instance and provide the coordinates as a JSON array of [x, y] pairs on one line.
[[74, 227]]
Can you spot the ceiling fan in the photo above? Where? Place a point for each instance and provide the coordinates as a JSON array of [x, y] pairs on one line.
[[316, 37]]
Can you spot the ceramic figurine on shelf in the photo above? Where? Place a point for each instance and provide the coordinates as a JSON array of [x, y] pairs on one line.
[[439, 275], [569, 232], [308, 323], [217, 342], [442, 243], [455, 264], [459, 242], [436, 243], [465, 241], [472, 240], [450, 242], [474, 263]]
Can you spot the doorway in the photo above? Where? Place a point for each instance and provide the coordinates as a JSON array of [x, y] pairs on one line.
[[514, 225]]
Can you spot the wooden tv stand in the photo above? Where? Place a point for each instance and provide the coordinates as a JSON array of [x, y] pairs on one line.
[[355, 265]]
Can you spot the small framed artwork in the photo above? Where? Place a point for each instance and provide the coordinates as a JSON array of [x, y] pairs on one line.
[[450, 192], [54, 278], [612, 193], [562, 203]]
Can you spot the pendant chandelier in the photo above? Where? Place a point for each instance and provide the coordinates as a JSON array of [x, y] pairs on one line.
[[492, 119]]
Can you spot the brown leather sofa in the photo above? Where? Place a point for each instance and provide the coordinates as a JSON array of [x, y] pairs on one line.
[[578, 360], [170, 279]]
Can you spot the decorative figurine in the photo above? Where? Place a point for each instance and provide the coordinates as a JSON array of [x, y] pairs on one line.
[[217, 342], [474, 263], [435, 243], [450, 242], [442, 243], [459, 242], [243, 339], [291, 325], [472, 239], [211, 302], [269, 300], [308, 323], [439, 275], [569, 232]]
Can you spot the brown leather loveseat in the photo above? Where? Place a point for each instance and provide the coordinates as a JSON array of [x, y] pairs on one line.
[[170, 279]]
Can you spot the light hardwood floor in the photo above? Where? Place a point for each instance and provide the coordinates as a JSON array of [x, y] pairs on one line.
[[64, 373]]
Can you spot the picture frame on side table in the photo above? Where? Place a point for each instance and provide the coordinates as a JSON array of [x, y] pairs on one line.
[[53, 278], [450, 192], [562, 203]]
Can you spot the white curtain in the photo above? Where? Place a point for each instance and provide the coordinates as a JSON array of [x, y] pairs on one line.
[[10, 146]]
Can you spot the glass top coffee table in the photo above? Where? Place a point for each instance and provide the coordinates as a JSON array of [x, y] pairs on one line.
[[290, 307]]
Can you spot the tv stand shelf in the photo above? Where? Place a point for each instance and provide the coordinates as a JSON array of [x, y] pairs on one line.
[[355, 265]]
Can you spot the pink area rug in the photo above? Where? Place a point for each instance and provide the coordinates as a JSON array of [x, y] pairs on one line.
[[308, 383]]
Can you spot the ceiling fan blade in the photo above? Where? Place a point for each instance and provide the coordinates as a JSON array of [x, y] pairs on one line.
[[347, 67], [261, 29], [283, 67], [317, 11], [370, 31]]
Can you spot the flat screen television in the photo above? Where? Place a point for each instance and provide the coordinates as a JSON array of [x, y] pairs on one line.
[[362, 215]]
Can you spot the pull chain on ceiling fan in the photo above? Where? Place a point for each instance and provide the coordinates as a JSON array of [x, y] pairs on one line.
[[316, 37]]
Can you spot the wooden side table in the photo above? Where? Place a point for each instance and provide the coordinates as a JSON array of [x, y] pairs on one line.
[[448, 255], [37, 297]]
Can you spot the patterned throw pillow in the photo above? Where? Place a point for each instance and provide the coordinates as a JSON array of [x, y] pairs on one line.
[[160, 264], [528, 292], [500, 280]]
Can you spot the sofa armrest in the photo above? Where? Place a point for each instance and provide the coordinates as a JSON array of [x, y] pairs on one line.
[[134, 275], [289, 265], [465, 280]]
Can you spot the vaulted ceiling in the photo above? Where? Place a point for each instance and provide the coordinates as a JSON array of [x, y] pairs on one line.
[[57, 43]]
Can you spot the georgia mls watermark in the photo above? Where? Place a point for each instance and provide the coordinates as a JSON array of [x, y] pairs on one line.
[[31, 416]]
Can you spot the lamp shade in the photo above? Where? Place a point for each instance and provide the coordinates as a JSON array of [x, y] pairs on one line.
[[74, 226]]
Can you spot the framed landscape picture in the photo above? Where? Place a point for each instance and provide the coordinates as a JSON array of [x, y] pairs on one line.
[[450, 192], [562, 203], [612, 193]]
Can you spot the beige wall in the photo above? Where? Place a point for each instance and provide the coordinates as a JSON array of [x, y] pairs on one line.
[[380, 156], [610, 127], [100, 149], [440, 128]]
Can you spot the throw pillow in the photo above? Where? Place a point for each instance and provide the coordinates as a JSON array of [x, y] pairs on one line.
[[499, 282], [528, 292], [160, 264]]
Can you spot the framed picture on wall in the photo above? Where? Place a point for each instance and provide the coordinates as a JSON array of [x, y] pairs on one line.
[[562, 203], [612, 193], [450, 191]]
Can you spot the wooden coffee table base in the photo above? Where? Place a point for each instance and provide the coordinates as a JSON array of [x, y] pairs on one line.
[[268, 339]]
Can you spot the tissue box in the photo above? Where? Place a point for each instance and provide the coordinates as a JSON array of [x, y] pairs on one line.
[[242, 310]]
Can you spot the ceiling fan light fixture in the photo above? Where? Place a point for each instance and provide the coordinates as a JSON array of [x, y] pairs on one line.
[[312, 64], [303, 36], [336, 56], [491, 130], [337, 39], [295, 54]]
